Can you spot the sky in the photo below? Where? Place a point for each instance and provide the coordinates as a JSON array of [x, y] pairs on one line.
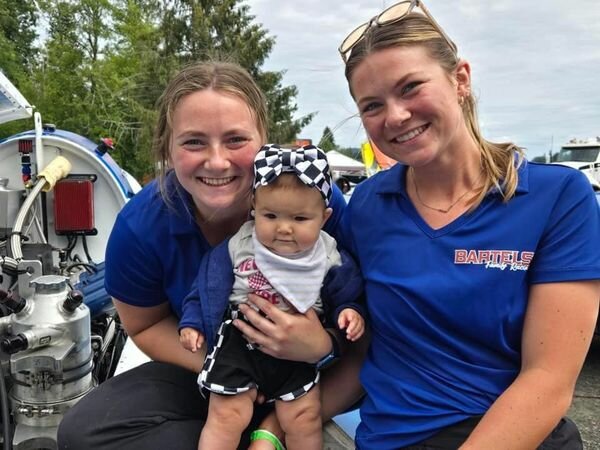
[[535, 64]]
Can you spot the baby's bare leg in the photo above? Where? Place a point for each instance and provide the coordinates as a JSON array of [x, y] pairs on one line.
[[228, 417], [301, 421]]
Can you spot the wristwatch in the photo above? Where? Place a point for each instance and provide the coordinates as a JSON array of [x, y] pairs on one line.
[[332, 356]]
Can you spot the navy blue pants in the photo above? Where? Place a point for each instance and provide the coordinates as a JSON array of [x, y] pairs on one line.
[[155, 406]]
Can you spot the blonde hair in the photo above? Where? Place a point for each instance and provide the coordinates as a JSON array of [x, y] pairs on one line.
[[225, 77], [500, 161]]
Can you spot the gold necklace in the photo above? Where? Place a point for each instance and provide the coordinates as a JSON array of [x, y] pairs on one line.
[[453, 204]]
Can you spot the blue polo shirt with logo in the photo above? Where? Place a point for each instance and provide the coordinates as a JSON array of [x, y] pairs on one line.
[[447, 305]]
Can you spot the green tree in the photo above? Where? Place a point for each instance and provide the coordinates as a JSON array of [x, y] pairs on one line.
[[327, 141], [63, 90], [18, 24], [196, 30], [87, 78], [157, 38], [104, 63], [133, 75]]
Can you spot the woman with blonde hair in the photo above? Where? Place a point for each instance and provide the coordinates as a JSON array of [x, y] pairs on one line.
[[481, 285], [212, 120]]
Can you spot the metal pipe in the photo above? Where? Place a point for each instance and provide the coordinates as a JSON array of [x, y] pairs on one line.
[[39, 145], [15, 239], [58, 168]]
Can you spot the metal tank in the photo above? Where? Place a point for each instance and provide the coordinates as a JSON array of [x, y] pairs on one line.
[[48, 338]]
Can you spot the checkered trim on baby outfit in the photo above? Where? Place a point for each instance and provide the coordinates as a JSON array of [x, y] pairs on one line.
[[300, 391], [228, 373], [209, 363]]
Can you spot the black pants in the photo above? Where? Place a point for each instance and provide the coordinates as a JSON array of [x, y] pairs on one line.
[[155, 406], [564, 437]]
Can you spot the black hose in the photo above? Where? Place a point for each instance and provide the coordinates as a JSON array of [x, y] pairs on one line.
[[44, 216], [71, 242], [85, 249], [5, 415], [90, 268]]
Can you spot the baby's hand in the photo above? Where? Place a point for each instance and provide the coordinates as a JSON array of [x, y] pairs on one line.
[[191, 339], [351, 321]]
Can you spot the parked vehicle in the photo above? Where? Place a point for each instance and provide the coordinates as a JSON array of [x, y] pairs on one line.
[[583, 155]]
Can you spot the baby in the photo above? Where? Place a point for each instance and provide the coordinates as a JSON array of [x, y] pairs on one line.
[[283, 256]]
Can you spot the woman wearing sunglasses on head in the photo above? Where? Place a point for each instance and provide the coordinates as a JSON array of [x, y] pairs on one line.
[[481, 286]]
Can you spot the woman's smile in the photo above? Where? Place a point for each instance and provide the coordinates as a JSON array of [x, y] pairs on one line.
[[215, 181], [412, 134]]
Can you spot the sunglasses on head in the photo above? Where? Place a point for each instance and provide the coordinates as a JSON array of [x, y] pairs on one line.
[[388, 16]]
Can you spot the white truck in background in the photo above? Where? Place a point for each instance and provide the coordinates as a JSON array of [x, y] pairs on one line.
[[584, 155]]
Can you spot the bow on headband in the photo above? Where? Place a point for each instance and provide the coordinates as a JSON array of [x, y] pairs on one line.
[[309, 163]]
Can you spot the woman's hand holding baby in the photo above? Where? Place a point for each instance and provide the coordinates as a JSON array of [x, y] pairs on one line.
[[297, 337]]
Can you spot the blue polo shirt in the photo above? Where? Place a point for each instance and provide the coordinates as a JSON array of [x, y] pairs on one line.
[[154, 250], [447, 305]]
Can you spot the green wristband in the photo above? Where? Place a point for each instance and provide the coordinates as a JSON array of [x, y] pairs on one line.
[[267, 436]]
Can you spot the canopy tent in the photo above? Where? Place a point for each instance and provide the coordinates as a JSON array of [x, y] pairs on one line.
[[343, 164], [13, 105]]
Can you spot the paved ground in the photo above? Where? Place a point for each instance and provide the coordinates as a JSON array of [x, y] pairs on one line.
[[586, 405]]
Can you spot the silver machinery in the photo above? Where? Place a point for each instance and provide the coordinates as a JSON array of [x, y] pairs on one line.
[[59, 333], [50, 365]]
